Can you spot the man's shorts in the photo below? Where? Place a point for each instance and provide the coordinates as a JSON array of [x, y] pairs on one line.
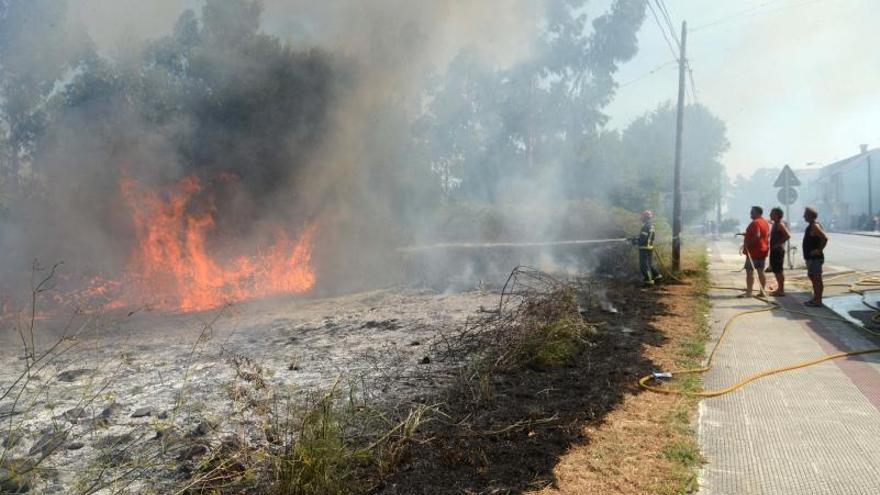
[[814, 266], [777, 261], [758, 262]]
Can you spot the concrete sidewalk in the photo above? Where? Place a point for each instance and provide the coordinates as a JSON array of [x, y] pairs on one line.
[[810, 431]]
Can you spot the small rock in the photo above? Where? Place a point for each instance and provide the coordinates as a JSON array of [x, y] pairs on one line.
[[425, 360], [9, 409], [142, 412], [202, 429], [415, 343], [110, 410], [74, 414], [163, 415], [73, 375], [75, 445], [48, 443], [192, 452]]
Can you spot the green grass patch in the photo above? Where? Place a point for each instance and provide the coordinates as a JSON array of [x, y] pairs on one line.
[[690, 383], [319, 461], [684, 452], [685, 456], [683, 449]]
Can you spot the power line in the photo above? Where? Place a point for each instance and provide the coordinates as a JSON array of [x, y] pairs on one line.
[[667, 17], [672, 49], [661, 5], [736, 15], [751, 12], [650, 72], [638, 78]]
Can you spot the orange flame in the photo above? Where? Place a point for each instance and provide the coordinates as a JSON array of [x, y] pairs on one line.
[[171, 260]]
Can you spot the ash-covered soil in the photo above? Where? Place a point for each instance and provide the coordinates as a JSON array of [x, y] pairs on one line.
[[153, 392], [146, 402]]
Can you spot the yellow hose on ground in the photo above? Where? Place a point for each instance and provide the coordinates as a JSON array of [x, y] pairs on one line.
[[863, 282]]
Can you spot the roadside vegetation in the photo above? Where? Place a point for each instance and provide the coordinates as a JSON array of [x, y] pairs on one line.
[[544, 400]]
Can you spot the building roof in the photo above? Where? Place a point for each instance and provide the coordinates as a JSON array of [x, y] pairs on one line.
[[846, 163]]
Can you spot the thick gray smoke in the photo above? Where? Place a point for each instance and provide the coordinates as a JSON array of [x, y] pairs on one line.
[[292, 111]]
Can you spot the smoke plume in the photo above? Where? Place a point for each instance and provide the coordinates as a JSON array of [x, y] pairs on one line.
[[285, 112]]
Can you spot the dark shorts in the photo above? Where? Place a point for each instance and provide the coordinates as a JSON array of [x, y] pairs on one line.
[[814, 266], [777, 261], [758, 262]]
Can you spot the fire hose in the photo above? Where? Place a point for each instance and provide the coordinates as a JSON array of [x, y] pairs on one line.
[[495, 245], [861, 287]]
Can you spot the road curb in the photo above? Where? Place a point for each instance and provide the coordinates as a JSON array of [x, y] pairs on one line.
[[862, 234]]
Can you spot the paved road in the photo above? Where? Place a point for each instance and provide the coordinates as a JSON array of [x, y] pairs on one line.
[[858, 252], [813, 431]]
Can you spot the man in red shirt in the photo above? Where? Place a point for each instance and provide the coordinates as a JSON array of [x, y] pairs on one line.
[[757, 245]]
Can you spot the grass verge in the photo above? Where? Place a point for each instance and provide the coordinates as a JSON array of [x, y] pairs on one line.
[[648, 444], [682, 448]]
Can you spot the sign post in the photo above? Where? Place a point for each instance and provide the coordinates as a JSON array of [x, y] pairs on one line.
[[787, 195]]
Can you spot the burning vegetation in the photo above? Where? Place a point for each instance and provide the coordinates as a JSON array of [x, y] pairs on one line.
[[172, 264], [232, 196]]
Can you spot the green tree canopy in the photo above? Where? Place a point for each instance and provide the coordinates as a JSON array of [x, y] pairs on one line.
[[644, 176], [486, 126]]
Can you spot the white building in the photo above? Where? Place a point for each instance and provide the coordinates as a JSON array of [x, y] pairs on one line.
[[847, 192]]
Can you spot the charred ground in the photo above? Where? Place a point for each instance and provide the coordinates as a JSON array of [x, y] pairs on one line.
[[511, 441], [415, 391]]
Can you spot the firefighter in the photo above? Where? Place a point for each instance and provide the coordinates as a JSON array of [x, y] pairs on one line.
[[645, 242]]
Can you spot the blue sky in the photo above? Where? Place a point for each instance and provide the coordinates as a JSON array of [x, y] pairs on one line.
[[797, 81]]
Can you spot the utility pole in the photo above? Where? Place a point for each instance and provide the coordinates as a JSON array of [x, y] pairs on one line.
[[718, 201], [870, 194], [679, 127]]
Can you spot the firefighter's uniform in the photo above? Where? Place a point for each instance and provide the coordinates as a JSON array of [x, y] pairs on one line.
[[645, 242]]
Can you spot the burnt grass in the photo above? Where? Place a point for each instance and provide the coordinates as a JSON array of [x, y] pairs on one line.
[[512, 442]]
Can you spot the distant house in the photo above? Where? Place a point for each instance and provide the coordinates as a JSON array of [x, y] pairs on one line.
[[841, 191]]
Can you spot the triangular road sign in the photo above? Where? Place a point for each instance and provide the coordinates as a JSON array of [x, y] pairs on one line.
[[787, 178]]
